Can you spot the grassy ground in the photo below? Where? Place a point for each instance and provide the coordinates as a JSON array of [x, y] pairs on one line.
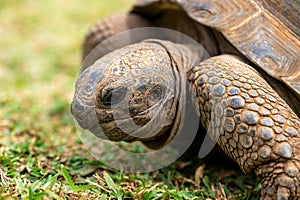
[[41, 155]]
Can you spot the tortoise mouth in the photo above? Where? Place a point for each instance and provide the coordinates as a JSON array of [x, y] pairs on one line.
[[117, 127]]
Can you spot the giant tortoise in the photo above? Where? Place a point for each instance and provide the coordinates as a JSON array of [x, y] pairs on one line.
[[247, 91]]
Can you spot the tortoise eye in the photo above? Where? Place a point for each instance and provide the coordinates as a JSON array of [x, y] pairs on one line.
[[114, 96], [157, 92]]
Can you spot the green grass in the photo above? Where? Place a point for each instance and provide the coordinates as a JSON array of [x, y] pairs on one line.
[[41, 155]]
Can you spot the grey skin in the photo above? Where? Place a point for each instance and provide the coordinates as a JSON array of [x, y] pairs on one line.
[[253, 123]]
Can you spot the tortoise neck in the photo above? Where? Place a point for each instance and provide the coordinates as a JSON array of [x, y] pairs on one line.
[[183, 56]]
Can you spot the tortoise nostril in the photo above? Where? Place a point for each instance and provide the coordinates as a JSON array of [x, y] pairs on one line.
[[76, 106], [77, 109]]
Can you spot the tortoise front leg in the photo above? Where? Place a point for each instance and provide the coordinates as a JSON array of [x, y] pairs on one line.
[[251, 123]]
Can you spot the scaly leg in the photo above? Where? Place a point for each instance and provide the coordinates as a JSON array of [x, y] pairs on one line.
[[251, 123]]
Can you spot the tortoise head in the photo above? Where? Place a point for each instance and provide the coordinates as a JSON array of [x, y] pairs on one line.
[[129, 94]]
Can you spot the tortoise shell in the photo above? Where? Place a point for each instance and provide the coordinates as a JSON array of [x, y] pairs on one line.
[[267, 32]]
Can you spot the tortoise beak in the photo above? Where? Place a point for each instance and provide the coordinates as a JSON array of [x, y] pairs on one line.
[[86, 118], [83, 104]]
